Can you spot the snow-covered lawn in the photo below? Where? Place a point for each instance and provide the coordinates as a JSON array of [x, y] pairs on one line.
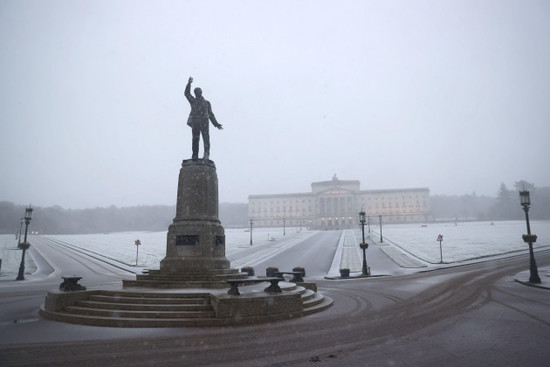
[[11, 256], [121, 246], [461, 242]]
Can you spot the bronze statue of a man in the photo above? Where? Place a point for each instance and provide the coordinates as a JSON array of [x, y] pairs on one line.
[[199, 117]]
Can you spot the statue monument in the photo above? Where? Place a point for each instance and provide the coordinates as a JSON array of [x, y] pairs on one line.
[[195, 260], [199, 117], [195, 244], [196, 239]]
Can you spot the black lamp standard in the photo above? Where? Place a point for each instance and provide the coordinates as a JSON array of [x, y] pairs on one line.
[[24, 245], [368, 223], [363, 244], [251, 224], [529, 238], [20, 230], [380, 217]]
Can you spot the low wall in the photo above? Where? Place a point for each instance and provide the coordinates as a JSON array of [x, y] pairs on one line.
[[257, 306]]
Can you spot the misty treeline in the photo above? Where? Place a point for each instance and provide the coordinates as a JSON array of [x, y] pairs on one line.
[[505, 206], [56, 220]]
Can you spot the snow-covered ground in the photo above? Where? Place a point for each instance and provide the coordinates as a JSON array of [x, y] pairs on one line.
[[461, 242], [121, 246], [11, 257]]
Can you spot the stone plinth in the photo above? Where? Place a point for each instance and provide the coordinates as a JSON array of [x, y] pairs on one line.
[[196, 238]]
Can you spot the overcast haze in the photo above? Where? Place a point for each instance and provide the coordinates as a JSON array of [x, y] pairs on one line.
[[449, 95]]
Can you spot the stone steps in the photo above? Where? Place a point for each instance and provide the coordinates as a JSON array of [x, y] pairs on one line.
[[146, 300], [159, 308], [128, 321], [139, 314], [210, 278], [324, 303], [144, 306], [189, 277], [139, 309], [175, 284], [192, 272], [314, 300]]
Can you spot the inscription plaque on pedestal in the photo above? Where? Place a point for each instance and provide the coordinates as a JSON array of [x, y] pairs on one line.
[[186, 240]]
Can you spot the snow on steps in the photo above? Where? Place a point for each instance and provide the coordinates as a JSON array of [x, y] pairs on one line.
[[152, 309]]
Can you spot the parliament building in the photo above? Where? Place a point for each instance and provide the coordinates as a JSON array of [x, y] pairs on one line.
[[336, 204]]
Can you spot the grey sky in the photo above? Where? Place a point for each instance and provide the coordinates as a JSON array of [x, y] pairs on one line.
[[450, 95]]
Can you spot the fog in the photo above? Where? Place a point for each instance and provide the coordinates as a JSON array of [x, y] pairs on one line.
[[450, 95]]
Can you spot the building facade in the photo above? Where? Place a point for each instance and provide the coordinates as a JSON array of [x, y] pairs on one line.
[[336, 204]]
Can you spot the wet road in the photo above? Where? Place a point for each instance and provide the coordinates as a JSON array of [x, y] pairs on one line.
[[468, 315], [315, 254]]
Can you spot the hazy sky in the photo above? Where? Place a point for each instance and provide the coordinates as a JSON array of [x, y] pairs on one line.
[[449, 95]]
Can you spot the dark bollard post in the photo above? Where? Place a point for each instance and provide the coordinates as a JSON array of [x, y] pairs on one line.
[[272, 271], [249, 270], [301, 269]]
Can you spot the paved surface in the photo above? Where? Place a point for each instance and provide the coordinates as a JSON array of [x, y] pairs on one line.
[[463, 315]]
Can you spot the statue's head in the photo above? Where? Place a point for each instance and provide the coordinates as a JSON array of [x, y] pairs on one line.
[[198, 92]]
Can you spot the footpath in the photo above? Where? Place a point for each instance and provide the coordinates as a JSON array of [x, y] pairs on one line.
[[383, 259], [386, 259]]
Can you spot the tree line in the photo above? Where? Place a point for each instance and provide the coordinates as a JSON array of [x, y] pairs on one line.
[[505, 206], [56, 220]]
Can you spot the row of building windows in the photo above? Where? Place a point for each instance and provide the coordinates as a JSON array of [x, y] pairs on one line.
[[323, 201], [339, 203]]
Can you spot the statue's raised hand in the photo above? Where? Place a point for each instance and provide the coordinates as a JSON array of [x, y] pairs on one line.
[[190, 80]]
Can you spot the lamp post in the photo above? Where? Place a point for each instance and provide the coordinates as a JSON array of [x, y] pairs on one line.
[[20, 230], [137, 243], [251, 224], [284, 226], [24, 245], [380, 217], [529, 238], [368, 223], [363, 244], [440, 239]]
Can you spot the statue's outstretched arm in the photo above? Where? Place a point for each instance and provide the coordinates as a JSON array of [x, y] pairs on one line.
[[213, 118], [187, 92]]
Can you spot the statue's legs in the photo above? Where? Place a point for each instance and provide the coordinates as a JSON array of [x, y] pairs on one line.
[[196, 131], [206, 141]]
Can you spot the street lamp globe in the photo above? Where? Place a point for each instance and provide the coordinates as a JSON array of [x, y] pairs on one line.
[[362, 217], [524, 198], [28, 213]]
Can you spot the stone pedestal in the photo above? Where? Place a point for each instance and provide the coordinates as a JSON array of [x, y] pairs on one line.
[[196, 238]]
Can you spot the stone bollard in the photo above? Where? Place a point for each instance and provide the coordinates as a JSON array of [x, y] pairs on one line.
[[249, 270], [344, 273], [272, 271]]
